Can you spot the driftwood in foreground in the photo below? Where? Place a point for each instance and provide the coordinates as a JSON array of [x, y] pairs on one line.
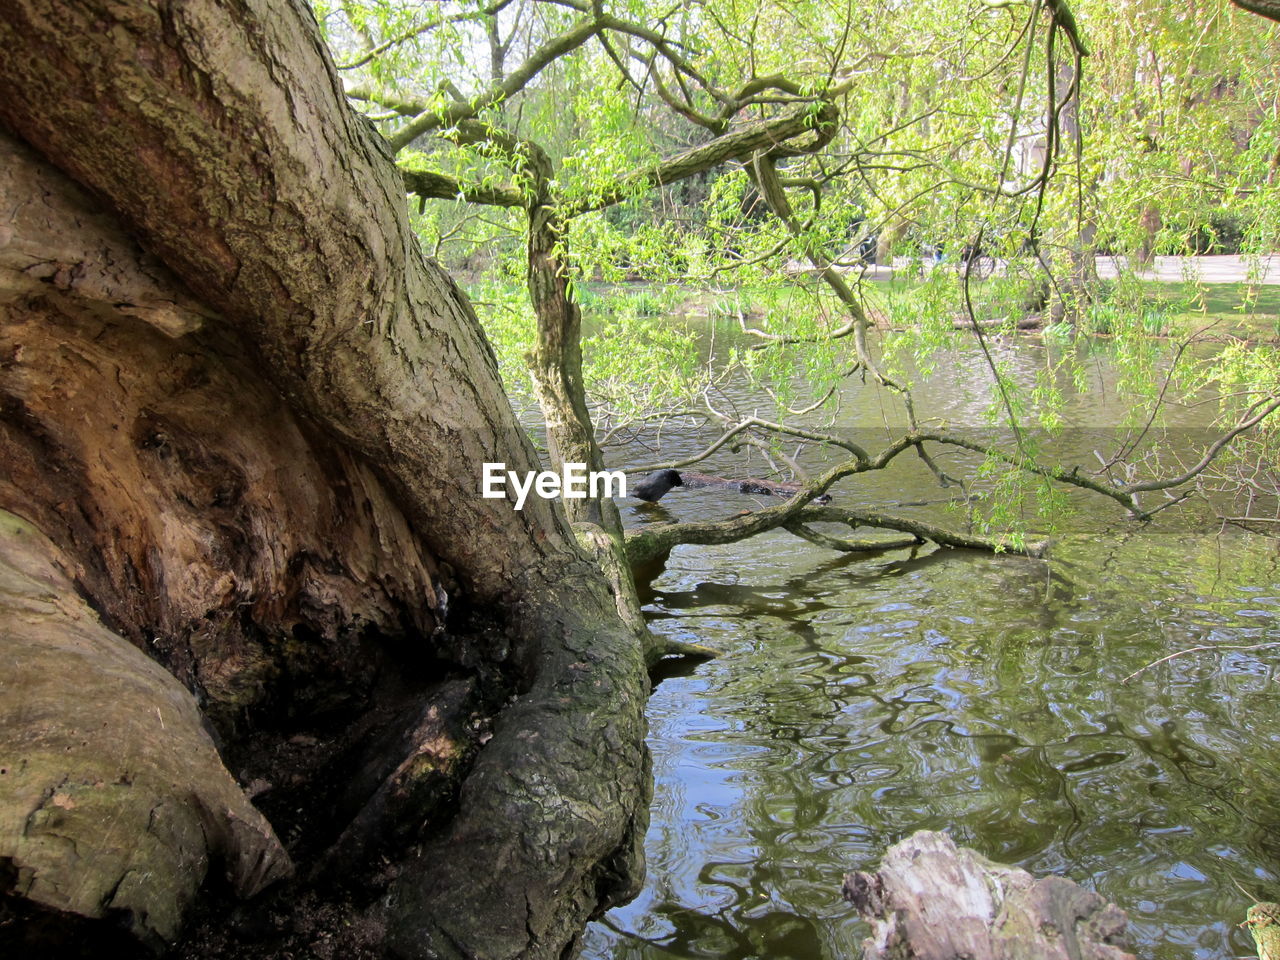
[[932, 900]]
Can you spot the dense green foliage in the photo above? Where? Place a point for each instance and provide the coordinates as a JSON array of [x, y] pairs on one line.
[[1037, 135]]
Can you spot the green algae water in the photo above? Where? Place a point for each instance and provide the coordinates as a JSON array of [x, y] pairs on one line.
[[860, 698]]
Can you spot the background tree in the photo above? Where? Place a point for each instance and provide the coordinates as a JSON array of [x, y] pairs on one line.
[[964, 138]]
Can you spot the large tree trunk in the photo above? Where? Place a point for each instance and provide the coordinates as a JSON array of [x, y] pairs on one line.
[[255, 450]]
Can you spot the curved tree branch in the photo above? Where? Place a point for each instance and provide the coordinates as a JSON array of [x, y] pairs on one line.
[[738, 143], [431, 120]]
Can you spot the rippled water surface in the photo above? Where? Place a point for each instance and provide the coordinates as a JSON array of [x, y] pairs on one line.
[[860, 698]]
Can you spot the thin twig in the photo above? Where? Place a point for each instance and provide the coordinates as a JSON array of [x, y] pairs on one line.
[[1212, 646]]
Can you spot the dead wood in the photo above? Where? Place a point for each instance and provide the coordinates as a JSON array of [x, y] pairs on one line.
[[932, 900]]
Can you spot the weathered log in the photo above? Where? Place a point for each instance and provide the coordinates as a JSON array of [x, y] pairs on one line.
[[932, 900]]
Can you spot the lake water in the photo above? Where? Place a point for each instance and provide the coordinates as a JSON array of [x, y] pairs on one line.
[[861, 697]]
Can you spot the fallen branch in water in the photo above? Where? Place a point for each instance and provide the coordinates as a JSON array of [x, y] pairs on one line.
[[846, 545], [647, 543], [921, 530], [650, 543]]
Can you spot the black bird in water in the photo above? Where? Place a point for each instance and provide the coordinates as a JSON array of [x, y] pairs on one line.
[[657, 485]]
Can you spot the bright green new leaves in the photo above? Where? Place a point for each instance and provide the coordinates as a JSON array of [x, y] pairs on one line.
[[968, 132]]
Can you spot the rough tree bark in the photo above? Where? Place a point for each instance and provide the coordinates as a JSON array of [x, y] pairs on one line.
[[255, 452], [556, 360]]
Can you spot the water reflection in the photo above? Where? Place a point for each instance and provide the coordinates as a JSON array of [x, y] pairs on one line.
[[860, 698]]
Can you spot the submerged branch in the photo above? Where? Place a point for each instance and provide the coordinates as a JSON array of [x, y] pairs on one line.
[[849, 546], [798, 513], [795, 516], [922, 530], [646, 544]]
